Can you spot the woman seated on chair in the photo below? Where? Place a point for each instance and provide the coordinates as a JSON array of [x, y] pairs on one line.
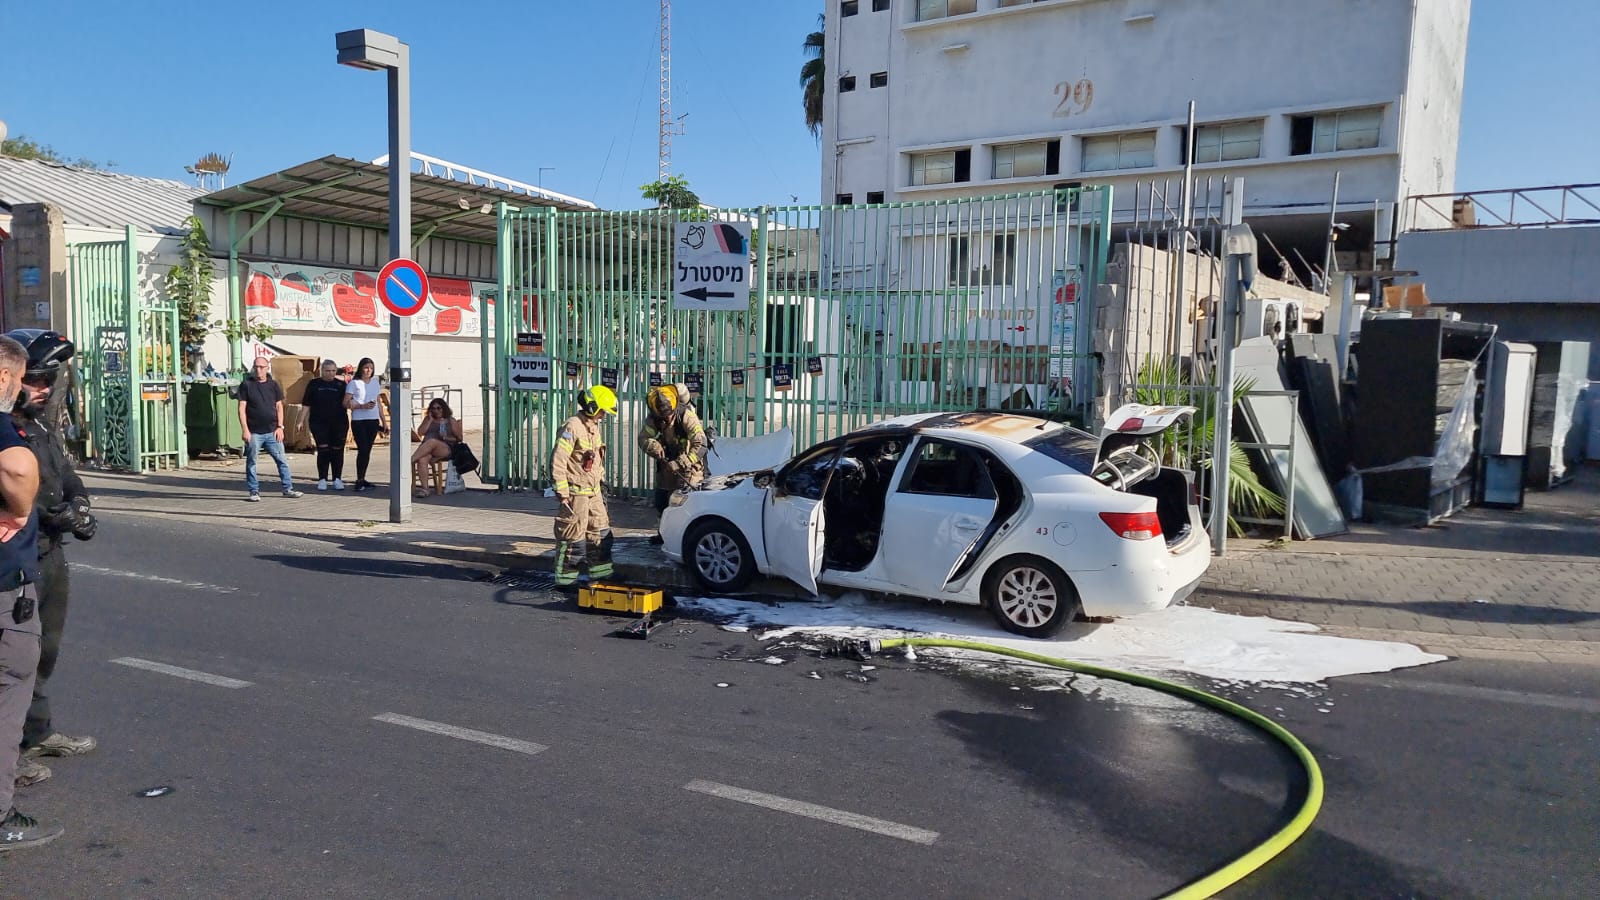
[[439, 433]]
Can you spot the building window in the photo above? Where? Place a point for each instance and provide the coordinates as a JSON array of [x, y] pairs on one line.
[[1005, 3], [1025, 160], [1335, 132], [878, 79], [939, 9], [1119, 151], [875, 196], [942, 167], [849, 8], [1003, 265], [959, 260], [847, 84], [1220, 143], [844, 199], [880, 5]]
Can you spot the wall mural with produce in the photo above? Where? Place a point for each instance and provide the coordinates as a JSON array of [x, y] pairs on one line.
[[307, 298]]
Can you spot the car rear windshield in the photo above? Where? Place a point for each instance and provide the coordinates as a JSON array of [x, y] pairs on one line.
[[1077, 449]]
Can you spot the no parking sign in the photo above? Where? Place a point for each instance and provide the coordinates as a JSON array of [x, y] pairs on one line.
[[403, 287]]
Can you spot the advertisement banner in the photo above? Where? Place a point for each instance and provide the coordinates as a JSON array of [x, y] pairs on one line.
[[310, 298]]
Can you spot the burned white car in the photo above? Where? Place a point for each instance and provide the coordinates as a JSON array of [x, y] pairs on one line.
[[1039, 521]]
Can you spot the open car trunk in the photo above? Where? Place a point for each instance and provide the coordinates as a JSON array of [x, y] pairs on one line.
[[1129, 460]]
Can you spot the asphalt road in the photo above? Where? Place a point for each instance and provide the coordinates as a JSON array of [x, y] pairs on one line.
[[310, 761]]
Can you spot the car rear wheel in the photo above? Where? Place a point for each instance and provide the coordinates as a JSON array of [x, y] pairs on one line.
[[1030, 596], [719, 556]]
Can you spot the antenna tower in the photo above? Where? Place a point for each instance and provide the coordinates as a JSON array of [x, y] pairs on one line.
[[667, 128]]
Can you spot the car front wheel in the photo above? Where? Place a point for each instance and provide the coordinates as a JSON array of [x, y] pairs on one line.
[[1030, 596], [719, 556]]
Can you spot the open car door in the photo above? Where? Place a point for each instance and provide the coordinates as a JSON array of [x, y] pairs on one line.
[[792, 524], [937, 516]]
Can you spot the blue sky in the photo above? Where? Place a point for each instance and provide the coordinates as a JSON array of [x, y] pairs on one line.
[[511, 87]]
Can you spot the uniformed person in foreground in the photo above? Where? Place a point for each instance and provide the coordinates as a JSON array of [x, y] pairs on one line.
[[583, 529], [673, 436], [61, 508], [19, 619]]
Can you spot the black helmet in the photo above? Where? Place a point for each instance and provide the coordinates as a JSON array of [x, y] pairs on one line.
[[47, 350]]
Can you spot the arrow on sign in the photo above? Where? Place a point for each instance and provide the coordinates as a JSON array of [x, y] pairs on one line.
[[524, 379], [702, 294]]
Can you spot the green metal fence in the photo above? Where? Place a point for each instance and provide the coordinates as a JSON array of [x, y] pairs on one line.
[[856, 314], [128, 354]]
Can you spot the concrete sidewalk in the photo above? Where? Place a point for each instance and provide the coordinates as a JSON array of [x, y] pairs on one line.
[[1517, 585]]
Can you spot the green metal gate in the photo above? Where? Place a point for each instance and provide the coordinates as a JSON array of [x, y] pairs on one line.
[[856, 314], [128, 355]]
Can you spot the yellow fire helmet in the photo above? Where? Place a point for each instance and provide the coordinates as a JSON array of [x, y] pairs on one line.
[[593, 401], [662, 400]]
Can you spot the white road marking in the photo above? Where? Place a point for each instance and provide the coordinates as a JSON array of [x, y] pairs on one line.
[[465, 734], [813, 811], [179, 672], [139, 576]]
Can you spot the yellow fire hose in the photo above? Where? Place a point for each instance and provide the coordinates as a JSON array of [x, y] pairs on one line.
[[1259, 855]]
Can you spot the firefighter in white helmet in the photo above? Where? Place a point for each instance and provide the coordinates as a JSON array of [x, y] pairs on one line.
[[583, 529], [673, 436]]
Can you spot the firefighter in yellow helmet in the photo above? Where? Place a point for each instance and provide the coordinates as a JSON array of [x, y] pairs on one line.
[[673, 436], [583, 530]]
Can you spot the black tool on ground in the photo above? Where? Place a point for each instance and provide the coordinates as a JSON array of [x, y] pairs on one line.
[[639, 630]]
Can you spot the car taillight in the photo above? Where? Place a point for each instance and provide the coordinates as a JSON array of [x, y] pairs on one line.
[[1131, 425], [1133, 526]]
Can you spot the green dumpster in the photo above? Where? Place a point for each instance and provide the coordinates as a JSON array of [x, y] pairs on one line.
[[211, 416]]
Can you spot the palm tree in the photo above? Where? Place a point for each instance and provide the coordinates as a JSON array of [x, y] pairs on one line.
[[813, 77]]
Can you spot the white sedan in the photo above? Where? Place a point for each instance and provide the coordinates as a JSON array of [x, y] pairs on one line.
[[1039, 521]]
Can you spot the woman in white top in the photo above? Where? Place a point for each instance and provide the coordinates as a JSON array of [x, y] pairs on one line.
[[368, 418]]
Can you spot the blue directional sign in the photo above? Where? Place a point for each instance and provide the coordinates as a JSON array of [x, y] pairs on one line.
[[403, 287]]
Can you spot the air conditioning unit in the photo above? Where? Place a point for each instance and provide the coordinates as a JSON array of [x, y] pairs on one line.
[[1276, 319]]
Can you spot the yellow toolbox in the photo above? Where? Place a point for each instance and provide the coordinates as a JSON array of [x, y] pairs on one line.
[[619, 598]]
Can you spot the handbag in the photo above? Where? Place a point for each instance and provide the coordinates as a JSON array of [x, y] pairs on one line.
[[463, 458]]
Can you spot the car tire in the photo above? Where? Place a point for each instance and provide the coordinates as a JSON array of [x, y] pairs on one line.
[[1030, 596], [718, 556]]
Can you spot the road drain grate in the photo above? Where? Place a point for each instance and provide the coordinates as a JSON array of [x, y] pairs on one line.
[[532, 581]]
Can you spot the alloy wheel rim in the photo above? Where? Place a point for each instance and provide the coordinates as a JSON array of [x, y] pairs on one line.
[[1027, 596], [717, 557]]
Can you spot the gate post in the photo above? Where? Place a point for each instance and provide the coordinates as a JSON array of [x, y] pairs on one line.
[[761, 319], [136, 345], [494, 358]]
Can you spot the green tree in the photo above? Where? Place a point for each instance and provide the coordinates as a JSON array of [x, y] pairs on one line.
[[671, 192], [24, 147], [189, 286], [1190, 445], [813, 77]]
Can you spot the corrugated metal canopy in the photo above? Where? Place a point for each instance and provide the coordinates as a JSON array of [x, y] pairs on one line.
[[97, 199], [352, 192]]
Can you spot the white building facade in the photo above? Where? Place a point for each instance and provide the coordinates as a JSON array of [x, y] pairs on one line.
[[935, 99]]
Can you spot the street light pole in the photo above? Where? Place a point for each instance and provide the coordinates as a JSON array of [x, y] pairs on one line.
[[374, 50]]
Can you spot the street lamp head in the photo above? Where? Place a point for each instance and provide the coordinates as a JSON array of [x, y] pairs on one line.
[[364, 48]]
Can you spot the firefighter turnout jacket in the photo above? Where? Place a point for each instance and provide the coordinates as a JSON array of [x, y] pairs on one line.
[[678, 445], [579, 464]]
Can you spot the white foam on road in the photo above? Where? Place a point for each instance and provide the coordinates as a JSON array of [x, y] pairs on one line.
[[180, 672], [813, 811], [464, 734], [156, 579], [1182, 639]]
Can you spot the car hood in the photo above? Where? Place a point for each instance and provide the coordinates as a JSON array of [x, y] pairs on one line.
[[732, 455]]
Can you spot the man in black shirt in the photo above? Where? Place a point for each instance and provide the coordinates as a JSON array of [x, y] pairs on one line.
[[261, 414]]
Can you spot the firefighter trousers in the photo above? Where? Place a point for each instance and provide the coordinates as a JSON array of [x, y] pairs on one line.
[[583, 538]]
